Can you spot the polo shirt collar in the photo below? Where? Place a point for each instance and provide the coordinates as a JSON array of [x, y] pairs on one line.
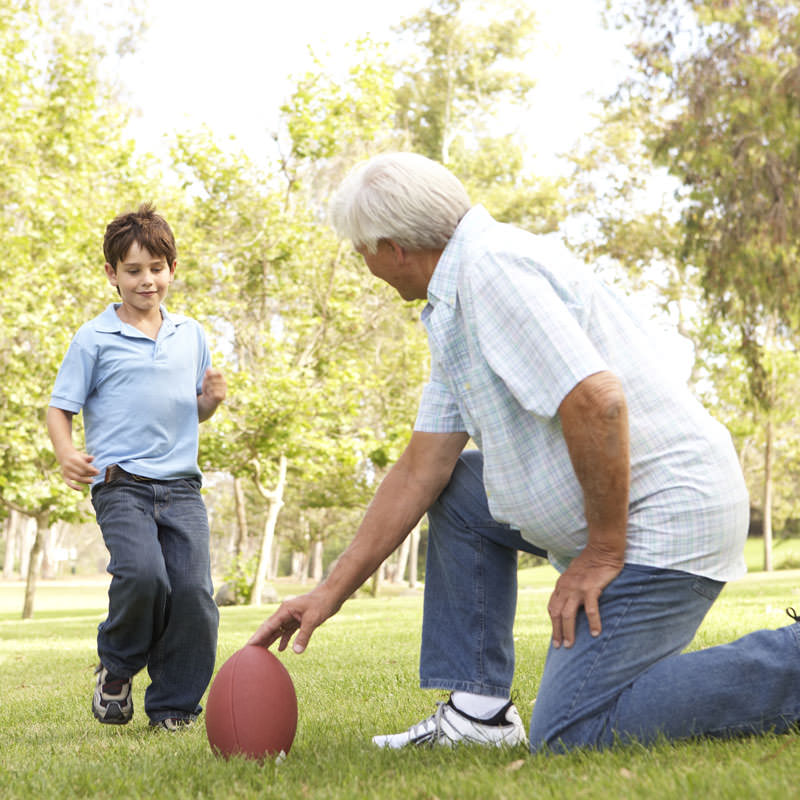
[[444, 281], [109, 322]]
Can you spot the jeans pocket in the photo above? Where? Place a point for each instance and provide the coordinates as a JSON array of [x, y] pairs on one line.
[[707, 587]]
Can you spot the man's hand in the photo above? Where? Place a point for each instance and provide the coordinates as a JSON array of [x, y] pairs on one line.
[[581, 584], [213, 391], [405, 494], [301, 614], [594, 419], [77, 469]]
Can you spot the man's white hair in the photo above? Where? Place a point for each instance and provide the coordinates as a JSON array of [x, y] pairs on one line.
[[405, 197]]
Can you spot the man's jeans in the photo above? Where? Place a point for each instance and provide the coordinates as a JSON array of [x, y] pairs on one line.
[[630, 683], [161, 611]]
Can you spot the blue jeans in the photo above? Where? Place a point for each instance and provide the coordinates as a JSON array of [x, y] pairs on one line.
[[632, 682], [161, 609]]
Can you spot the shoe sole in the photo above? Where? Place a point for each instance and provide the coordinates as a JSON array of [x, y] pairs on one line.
[[117, 718]]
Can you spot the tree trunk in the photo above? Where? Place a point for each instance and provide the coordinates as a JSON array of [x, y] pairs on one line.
[[276, 559], [34, 564], [275, 498], [13, 537], [318, 568], [413, 556], [27, 536], [50, 546], [241, 517], [399, 569], [377, 579], [767, 526]]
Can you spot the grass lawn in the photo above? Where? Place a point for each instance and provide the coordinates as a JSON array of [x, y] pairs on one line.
[[358, 677]]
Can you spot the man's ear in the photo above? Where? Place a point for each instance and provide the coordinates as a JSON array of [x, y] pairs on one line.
[[399, 252]]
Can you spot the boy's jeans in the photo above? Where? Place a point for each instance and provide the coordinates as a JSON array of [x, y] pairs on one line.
[[161, 610], [629, 683]]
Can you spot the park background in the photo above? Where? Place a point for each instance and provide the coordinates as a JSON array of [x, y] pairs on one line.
[[655, 139]]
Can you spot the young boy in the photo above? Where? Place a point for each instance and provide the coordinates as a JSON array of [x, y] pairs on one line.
[[143, 379]]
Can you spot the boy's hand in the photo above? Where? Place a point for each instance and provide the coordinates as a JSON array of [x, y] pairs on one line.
[[77, 469], [214, 389]]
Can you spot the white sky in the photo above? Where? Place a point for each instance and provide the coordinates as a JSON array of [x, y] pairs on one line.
[[228, 65]]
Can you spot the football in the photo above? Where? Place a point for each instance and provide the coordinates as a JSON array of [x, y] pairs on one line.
[[252, 706]]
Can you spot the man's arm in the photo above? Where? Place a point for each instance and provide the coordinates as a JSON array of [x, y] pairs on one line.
[[214, 389], [405, 494], [594, 419], [76, 467]]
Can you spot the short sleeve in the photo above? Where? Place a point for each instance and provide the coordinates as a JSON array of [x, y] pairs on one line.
[[438, 410], [529, 333], [75, 378]]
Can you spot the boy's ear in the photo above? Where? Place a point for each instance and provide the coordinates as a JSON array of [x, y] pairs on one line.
[[172, 268], [111, 274]]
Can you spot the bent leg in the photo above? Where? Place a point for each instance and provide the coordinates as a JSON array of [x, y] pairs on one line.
[[470, 589], [634, 683], [137, 594]]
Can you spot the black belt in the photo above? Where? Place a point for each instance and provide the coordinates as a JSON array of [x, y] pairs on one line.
[[115, 472]]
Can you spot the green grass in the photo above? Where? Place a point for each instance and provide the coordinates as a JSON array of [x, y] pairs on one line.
[[785, 554], [358, 677]]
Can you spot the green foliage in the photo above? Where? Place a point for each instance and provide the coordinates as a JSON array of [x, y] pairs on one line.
[[462, 76], [709, 112], [239, 577], [325, 366], [464, 62], [63, 168]]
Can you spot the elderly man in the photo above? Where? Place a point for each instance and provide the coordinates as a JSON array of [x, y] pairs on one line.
[[588, 449]]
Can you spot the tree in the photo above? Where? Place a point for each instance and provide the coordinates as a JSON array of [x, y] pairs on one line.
[[713, 103], [462, 81], [64, 168]]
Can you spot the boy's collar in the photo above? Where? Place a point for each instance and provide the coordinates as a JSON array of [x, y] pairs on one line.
[[109, 322]]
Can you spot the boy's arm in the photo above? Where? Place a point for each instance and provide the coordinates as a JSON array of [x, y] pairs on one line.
[[76, 467], [213, 393]]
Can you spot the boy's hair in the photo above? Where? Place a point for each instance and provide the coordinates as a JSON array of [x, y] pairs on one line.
[[148, 229]]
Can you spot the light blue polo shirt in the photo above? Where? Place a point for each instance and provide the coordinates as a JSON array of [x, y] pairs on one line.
[[138, 396]]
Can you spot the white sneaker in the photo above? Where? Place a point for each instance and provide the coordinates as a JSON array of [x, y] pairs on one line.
[[448, 726]]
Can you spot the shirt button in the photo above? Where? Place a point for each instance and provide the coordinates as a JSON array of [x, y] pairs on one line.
[[466, 386]]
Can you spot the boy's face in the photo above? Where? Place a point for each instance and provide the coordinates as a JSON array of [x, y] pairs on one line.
[[142, 279]]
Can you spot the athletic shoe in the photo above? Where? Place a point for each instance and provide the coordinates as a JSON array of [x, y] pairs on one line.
[[172, 724], [448, 726], [112, 703]]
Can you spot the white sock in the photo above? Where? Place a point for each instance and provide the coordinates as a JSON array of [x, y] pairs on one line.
[[477, 705]]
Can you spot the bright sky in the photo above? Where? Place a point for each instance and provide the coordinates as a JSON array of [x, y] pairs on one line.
[[229, 65]]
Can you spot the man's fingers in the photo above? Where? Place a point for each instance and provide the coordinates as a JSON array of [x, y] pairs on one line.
[[301, 640], [268, 632], [555, 610], [592, 608]]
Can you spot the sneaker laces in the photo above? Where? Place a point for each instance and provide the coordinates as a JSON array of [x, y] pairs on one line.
[[420, 729], [114, 685], [793, 614]]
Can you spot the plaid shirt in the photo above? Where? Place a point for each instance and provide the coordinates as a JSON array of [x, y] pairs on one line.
[[509, 339]]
